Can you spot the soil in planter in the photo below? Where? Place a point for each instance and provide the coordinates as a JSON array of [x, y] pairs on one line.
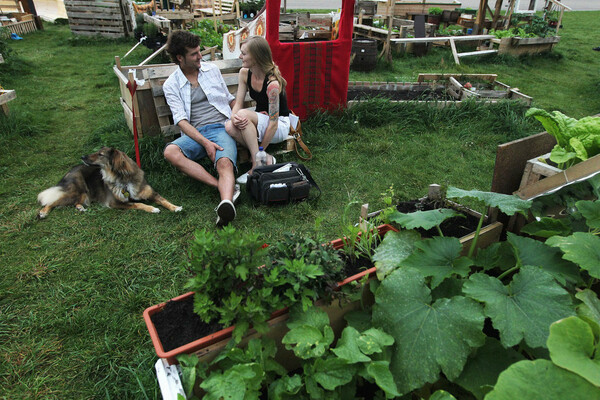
[[453, 227], [177, 324]]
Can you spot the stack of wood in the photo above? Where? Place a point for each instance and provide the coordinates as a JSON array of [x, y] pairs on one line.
[[15, 18], [108, 18]]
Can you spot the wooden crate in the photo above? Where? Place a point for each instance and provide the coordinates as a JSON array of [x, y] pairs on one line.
[[10, 6], [109, 18], [401, 8], [22, 28]]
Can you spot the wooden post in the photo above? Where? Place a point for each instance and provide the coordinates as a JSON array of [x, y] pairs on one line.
[[153, 55], [509, 13], [364, 213], [497, 10], [479, 21]]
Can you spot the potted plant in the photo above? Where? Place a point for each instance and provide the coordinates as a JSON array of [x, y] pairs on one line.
[[229, 294], [434, 15]]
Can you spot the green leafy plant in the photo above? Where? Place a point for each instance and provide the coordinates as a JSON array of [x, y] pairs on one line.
[[576, 140], [232, 289], [208, 36], [435, 11], [360, 239]]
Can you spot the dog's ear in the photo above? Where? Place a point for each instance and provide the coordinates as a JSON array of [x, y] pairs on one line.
[[120, 162]]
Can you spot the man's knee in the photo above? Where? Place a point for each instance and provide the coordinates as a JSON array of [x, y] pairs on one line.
[[224, 164], [172, 152]]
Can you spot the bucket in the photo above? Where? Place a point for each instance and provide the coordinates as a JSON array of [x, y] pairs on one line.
[[364, 55]]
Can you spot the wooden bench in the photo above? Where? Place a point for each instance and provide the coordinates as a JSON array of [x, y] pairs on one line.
[[153, 114], [222, 10]]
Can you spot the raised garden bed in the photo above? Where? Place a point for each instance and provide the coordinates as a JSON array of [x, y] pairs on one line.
[[516, 46], [441, 88]]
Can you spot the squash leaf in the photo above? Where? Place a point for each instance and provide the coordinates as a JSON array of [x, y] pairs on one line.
[[240, 382], [590, 299], [590, 211], [508, 204], [380, 371], [573, 346], [285, 387], [438, 258], [532, 252], [333, 372], [441, 395], [394, 248], [347, 347], [541, 380], [423, 219], [485, 365], [547, 227], [429, 338], [525, 308], [582, 248]]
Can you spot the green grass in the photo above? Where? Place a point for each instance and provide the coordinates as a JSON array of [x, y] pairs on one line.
[[74, 286]]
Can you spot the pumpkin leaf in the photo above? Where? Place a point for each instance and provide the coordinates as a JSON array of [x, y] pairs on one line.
[[573, 346], [525, 308], [582, 248], [547, 227], [484, 366], [429, 338], [438, 258], [590, 211], [374, 340], [532, 252], [423, 219], [394, 248], [285, 387], [541, 380], [508, 204]]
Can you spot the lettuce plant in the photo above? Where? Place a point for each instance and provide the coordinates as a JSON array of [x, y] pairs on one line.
[[576, 140]]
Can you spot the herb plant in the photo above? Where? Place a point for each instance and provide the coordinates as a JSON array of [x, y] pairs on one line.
[[359, 240], [208, 36], [232, 289]]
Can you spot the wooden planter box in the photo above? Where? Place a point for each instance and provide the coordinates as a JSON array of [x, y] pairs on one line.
[[450, 84], [517, 46], [405, 8], [152, 114]]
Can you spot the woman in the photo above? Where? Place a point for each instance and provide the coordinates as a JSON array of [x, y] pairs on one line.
[[270, 122]]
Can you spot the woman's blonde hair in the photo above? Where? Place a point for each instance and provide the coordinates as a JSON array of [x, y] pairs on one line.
[[259, 50]]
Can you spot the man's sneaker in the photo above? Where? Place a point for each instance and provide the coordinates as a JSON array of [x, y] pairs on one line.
[[242, 179], [225, 212], [236, 193]]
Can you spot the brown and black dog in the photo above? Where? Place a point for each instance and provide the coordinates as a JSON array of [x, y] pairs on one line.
[[109, 177]]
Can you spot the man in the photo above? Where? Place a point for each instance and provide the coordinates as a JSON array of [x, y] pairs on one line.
[[201, 104]]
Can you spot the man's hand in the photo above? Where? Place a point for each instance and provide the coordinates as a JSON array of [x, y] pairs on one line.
[[211, 150]]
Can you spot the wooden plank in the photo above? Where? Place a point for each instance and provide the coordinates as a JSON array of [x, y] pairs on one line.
[[443, 38], [476, 53], [512, 157], [437, 77], [454, 52]]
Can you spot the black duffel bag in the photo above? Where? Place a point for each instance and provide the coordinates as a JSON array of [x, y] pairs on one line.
[[280, 183]]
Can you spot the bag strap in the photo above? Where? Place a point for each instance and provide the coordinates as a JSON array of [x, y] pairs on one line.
[[308, 176], [296, 133]]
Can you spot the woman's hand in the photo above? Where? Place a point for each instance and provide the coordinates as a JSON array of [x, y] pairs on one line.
[[239, 121]]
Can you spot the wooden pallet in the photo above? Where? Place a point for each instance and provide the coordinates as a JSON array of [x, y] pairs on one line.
[[109, 18], [22, 28]]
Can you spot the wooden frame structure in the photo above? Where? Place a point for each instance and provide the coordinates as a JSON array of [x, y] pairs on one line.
[[221, 10]]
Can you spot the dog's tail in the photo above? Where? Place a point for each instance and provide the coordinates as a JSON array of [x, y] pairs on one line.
[[50, 195]]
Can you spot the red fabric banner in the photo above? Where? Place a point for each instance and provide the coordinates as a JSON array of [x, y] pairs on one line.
[[316, 72]]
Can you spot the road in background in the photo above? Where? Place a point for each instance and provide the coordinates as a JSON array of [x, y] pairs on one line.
[[576, 5]]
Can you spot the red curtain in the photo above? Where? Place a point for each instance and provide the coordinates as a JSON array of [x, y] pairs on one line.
[[316, 72]]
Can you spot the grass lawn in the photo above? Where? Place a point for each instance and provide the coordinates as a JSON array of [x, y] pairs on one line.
[[74, 286]]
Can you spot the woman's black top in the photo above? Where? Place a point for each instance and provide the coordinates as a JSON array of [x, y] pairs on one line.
[[262, 100]]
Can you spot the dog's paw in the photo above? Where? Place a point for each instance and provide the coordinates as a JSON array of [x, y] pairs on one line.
[[177, 209], [155, 210], [42, 215], [81, 208]]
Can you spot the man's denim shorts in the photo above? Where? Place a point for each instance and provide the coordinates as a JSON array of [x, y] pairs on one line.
[[213, 132]]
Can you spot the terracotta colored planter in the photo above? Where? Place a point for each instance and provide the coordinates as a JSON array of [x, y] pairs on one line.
[[225, 334], [339, 244]]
